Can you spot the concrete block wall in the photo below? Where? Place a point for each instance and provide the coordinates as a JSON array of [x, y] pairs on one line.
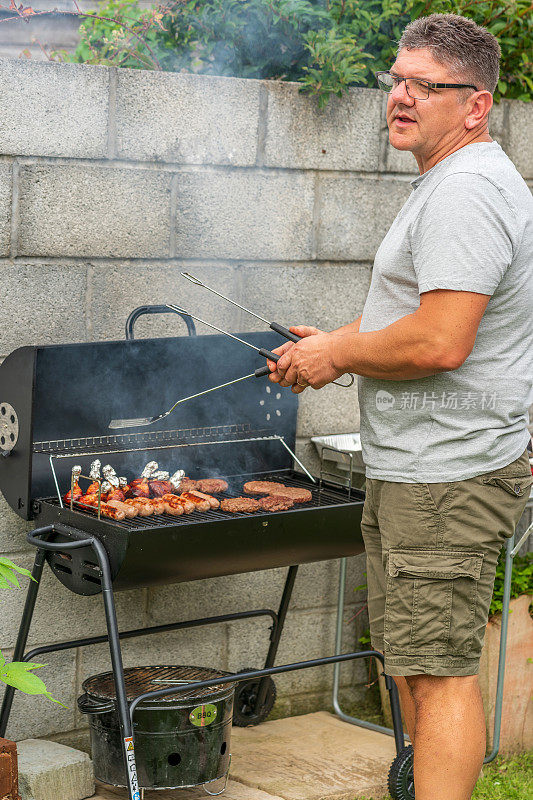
[[111, 182]]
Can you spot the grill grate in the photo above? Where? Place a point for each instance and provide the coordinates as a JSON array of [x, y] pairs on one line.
[[325, 496], [145, 679]]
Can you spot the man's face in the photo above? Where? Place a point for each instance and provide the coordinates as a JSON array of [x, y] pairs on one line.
[[437, 121]]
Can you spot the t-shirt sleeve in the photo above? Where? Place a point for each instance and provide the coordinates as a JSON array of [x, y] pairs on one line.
[[463, 237]]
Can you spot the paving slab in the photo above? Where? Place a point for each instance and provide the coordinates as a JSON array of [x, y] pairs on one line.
[[310, 757], [52, 771], [234, 791]]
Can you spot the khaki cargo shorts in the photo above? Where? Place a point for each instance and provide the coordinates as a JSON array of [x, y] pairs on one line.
[[431, 554]]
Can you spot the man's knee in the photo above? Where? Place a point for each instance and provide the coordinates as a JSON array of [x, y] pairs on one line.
[[427, 687]]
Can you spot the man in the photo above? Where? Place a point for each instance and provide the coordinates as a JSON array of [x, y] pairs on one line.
[[444, 351]]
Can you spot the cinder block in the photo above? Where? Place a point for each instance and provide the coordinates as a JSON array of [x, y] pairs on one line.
[[51, 109], [190, 119], [60, 614], [131, 285], [13, 530], [224, 595], [47, 301], [94, 211], [520, 137], [52, 771], [355, 215], [325, 296], [307, 635], [342, 136], [35, 715], [317, 584], [328, 410], [5, 207], [497, 122], [253, 214]]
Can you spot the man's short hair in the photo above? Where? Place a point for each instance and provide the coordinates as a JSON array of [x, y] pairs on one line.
[[469, 50]]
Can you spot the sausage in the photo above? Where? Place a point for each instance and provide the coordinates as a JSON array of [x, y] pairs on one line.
[[201, 505], [157, 504], [144, 509], [213, 502], [174, 509], [129, 510], [174, 500], [105, 509]]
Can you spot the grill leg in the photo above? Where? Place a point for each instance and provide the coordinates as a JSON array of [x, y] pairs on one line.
[[22, 637], [276, 632], [118, 672]]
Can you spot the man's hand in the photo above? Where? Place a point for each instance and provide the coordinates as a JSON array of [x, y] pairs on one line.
[[305, 363], [276, 376]]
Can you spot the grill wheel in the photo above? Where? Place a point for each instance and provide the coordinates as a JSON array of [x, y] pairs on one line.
[[401, 782], [245, 711]]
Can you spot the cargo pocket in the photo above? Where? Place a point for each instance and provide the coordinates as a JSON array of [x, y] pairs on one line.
[[518, 486], [431, 600]]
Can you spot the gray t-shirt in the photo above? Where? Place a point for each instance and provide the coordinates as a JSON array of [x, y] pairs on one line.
[[468, 226]]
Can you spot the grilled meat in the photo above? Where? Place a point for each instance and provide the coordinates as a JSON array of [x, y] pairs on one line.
[[275, 503], [295, 493], [115, 494], [240, 505], [212, 485], [106, 510], [174, 501], [144, 508], [261, 487], [140, 488], [76, 493], [129, 511], [199, 502], [160, 487], [213, 502]]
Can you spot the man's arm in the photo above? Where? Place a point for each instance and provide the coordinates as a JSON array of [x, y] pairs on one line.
[[437, 337]]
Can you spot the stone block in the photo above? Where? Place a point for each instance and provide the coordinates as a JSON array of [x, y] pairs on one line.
[[520, 137], [328, 410], [51, 109], [307, 634], [5, 207], [317, 584], [355, 215], [189, 119], [94, 211], [47, 301], [13, 530], [60, 614], [35, 715], [52, 771], [245, 215], [497, 123], [223, 595], [325, 295], [342, 136], [135, 284]]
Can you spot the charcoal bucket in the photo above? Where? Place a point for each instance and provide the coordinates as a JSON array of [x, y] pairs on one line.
[[181, 740]]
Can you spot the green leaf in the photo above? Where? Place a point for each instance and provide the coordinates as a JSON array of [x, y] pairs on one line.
[[18, 674]]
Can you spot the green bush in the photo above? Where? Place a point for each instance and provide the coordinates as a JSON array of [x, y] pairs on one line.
[[521, 581], [326, 45]]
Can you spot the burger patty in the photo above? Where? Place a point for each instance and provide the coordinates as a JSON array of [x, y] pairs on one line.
[[294, 493], [261, 487], [212, 485], [276, 503], [240, 505]]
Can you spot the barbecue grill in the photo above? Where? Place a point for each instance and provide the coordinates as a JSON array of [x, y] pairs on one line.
[[55, 406]]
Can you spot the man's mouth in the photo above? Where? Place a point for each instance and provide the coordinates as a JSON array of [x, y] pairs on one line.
[[404, 120]]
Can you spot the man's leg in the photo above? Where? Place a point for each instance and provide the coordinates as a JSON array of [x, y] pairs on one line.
[[407, 705], [449, 734]]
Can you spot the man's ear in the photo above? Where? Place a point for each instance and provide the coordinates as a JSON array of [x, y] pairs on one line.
[[480, 105]]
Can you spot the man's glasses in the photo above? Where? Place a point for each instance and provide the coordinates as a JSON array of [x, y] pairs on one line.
[[416, 89]]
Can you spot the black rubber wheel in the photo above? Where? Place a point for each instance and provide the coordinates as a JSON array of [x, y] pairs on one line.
[[401, 783], [245, 711]]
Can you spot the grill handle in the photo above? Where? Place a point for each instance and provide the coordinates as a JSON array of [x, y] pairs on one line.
[[88, 705], [141, 310]]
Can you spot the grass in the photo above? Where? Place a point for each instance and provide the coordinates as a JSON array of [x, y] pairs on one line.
[[506, 779]]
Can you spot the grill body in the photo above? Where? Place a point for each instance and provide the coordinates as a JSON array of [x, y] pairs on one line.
[[64, 397]]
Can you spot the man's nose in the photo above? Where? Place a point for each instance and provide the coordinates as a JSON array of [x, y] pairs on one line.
[[399, 95]]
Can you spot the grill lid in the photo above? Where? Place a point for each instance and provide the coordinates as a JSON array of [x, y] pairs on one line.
[[147, 679]]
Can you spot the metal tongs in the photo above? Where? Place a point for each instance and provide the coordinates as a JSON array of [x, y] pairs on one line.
[[275, 326]]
